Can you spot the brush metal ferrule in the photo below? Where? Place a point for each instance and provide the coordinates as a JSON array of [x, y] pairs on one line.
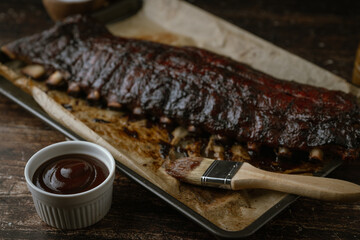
[[220, 173]]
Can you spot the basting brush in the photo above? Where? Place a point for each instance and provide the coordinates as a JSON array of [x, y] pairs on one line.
[[238, 175]]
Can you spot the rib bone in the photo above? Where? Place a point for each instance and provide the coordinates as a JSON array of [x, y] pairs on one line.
[[8, 52], [54, 79], [316, 153], [93, 95], [216, 149], [209, 146], [137, 111], [191, 128], [114, 105], [284, 152], [178, 134], [220, 138], [219, 152], [35, 71], [165, 120], [73, 88]]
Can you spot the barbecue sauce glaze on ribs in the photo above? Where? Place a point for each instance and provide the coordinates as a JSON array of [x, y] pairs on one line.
[[193, 87]]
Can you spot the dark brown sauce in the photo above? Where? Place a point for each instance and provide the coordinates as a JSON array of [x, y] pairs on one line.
[[99, 120], [130, 133], [70, 174], [181, 167]]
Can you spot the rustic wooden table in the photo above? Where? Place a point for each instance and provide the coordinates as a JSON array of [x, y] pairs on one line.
[[323, 32]]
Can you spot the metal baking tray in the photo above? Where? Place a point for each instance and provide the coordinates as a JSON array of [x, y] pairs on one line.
[[27, 102]]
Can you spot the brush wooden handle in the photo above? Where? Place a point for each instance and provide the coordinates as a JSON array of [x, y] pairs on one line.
[[314, 187]]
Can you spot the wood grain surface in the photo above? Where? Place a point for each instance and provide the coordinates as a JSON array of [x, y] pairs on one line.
[[323, 32]]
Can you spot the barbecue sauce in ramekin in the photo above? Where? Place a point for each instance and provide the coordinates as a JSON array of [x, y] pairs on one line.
[[70, 174]]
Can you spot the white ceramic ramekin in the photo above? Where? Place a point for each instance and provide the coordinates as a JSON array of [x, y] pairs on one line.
[[72, 211]]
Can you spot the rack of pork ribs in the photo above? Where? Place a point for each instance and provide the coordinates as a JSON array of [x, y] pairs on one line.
[[194, 88]]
